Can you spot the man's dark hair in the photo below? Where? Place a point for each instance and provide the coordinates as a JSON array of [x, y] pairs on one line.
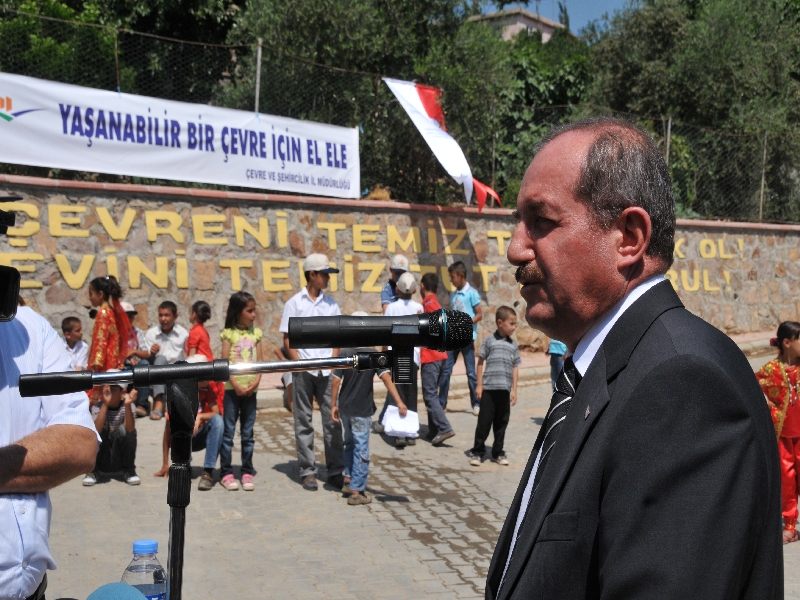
[[431, 282], [170, 305], [504, 312], [69, 324], [458, 267], [625, 168]]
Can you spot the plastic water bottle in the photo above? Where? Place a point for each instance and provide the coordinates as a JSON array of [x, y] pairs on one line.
[[145, 573]]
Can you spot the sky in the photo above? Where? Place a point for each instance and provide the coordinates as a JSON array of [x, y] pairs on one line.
[[581, 12]]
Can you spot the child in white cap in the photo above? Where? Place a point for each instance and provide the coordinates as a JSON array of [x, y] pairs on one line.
[[404, 305], [397, 267], [312, 301]]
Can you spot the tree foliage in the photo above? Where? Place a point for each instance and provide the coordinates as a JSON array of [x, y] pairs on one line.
[[725, 65]]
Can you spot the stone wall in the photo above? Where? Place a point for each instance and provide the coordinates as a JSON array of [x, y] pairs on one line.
[[186, 245]]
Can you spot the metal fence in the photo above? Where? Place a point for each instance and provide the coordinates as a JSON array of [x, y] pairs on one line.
[[715, 174]]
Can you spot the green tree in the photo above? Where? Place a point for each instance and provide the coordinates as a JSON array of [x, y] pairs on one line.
[[307, 44], [723, 65], [548, 81]]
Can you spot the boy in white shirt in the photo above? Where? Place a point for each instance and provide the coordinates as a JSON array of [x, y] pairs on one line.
[[404, 305], [77, 349]]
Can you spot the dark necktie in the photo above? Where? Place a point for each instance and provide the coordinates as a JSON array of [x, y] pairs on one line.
[[566, 384]]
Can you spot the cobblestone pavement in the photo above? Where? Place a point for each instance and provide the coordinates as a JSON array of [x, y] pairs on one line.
[[429, 533]]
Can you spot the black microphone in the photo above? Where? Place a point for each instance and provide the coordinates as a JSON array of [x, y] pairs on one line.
[[439, 330]]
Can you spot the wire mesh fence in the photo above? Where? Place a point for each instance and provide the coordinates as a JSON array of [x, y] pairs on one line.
[[715, 174]]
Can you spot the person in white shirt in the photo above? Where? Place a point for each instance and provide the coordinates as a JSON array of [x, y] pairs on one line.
[[77, 349], [404, 305], [139, 355], [312, 301], [44, 442], [167, 343]]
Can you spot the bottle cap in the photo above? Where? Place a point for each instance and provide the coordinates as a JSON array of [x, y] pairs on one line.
[[145, 547]]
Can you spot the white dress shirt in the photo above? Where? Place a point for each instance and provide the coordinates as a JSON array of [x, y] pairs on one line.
[[302, 305], [583, 356], [172, 344], [78, 354], [28, 344]]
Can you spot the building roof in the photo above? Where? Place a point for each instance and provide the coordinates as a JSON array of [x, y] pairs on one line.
[[517, 12]]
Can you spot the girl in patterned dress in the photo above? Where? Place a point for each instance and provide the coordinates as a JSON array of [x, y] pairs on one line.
[[240, 343], [112, 328], [779, 380]]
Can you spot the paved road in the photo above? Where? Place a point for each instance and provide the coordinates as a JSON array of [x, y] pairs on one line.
[[428, 534]]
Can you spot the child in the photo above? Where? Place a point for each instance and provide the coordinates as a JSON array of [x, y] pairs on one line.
[[497, 385], [208, 427], [138, 354], [240, 344], [432, 368], [199, 343], [111, 326], [779, 379], [114, 420], [77, 349], [353, 404], [404, 305], [465, 299]]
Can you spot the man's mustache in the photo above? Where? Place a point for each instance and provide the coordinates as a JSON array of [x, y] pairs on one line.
[[529, 272]]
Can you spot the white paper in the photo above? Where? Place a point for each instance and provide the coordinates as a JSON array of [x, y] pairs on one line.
[[395, 425]]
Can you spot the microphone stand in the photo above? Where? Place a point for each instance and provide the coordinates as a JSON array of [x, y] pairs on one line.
[[182, 396]]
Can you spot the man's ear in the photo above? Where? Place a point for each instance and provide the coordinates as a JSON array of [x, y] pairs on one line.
[[634, 228]]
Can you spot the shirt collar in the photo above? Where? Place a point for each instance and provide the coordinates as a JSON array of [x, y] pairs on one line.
[[463, 290], [500, 336], [590, 343], [304, 293]]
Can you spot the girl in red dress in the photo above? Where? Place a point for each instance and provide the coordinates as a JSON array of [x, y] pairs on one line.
[[199, 342], [779, 380], [112, 328]]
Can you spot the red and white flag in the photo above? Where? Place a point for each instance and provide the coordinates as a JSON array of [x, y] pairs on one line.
[[422, 103]]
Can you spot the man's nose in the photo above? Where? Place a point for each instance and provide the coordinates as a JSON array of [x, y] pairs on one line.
[[520, 248]]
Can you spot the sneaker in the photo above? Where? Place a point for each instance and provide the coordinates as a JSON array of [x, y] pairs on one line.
[[131, 478], [336, 481], [377, 427], [141, 412], [362, 498], [400, 442], [247, 483], [310, 483], [501, 460], [475, 460], [206, 482], [229, 483], [411, 441], [346, 487], [439, 439], [476, 410], [89, 479]]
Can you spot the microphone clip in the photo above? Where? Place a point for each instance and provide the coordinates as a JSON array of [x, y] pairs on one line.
[[399, 360]]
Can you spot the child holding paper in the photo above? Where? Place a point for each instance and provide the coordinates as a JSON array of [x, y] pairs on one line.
[[353, 404]]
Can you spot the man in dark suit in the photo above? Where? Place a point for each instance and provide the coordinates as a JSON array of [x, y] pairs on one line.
[[655, 473]]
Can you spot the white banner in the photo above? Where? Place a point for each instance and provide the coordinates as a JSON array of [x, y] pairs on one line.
[[49, 124]]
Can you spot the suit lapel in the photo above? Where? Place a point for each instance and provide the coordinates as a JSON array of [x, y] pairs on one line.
[[504, 541], [592, 393], [587, 406]]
